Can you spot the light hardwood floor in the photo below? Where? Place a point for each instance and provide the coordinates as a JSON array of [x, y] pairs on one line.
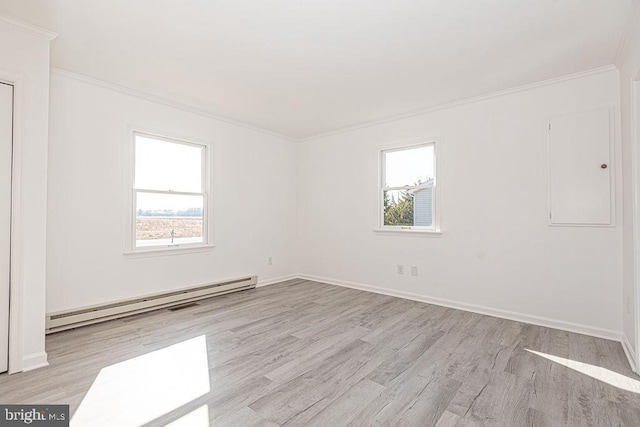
[[305, 353]]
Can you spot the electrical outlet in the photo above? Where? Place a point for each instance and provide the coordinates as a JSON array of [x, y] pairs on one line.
[[414, 270], [400, 269], [270, 260]]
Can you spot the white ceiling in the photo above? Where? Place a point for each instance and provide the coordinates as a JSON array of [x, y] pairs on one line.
[[303, 68]]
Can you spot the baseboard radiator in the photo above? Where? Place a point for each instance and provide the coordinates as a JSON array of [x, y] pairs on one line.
[[63, 320]]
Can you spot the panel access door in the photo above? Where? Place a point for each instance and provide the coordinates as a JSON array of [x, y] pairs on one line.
[[6, 142], [580, 190]]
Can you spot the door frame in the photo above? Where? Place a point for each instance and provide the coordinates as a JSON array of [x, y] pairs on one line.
[[15, 280], [635, 204]]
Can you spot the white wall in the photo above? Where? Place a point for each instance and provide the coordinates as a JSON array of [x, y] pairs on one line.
[[24, 56], [254, 190], [629, 71], [318, 199], [496, 252]]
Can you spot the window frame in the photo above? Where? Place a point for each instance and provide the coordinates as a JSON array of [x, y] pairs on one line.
[[434, 229], [131, 247]]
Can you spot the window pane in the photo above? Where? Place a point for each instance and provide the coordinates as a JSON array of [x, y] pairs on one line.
[[412, 166], [412, 208], [165, 219], [167, 166]]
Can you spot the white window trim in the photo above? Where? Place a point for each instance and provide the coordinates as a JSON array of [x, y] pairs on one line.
[[434, 230], [131, 250]]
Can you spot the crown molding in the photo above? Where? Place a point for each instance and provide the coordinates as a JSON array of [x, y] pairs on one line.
[[203, 112], [497, 94], [632, 23], [166, 101], [30, 28]]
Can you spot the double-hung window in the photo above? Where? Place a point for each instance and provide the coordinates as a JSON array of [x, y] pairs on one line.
[[407, 191], [169, 194]]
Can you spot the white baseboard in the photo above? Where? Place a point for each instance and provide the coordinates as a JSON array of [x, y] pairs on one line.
[[268, 282], [488, 311], [38, 360], [34, 361], [630, 352]]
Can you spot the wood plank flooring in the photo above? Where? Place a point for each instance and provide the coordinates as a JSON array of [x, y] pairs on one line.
[[306, 353]]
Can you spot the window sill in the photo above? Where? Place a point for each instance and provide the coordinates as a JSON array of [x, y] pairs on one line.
[[408, 232], [163, 251]]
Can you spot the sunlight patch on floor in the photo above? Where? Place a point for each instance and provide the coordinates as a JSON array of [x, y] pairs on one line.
[[602, 374], [139, 390]]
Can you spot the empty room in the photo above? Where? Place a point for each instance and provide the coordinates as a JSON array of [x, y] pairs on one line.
[[323, 213]]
